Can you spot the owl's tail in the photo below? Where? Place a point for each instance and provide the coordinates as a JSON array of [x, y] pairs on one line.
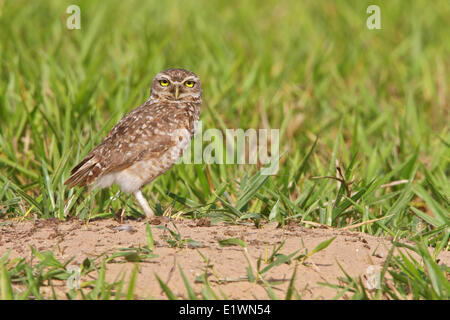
[[84, 173]]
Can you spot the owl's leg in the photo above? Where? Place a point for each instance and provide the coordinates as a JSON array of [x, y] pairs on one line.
[[143, 203]]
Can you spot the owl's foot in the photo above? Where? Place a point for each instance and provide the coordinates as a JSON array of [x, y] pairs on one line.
[[143, 203]]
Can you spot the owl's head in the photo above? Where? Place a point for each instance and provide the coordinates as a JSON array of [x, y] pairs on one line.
[[176, 85]]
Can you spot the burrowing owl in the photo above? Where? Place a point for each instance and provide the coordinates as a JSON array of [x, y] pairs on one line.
[[147, 141]]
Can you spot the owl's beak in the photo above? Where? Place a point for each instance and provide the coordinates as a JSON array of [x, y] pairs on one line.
[[177, 92]]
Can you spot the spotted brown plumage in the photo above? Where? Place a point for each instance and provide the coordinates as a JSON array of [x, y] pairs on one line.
[[148, 140]]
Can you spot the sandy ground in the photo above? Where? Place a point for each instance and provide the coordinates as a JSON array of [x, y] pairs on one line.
[[356, 252]]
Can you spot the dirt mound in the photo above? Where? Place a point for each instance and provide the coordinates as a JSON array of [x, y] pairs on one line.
[[356, 252]]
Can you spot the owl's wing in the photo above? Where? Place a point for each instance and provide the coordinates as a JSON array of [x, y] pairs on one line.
[[144, 133]]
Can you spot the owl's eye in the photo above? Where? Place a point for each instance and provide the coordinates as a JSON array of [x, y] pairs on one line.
[[189, 84], [164, 82]]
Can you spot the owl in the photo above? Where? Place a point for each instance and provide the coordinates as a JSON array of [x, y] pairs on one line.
[[148, 140]]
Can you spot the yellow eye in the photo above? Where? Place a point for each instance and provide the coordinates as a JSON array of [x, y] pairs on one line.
[[189, 84], [164, 82]]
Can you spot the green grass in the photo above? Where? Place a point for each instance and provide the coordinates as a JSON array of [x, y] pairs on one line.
[[31, 279], [372, 102]]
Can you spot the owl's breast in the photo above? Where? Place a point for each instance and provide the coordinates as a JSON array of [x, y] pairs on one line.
[[148, 169], [162, 143]]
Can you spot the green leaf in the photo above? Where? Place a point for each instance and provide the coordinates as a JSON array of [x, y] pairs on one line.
[[427, 218], [253, 185], [303, 165], [269, 289], [132, 283], [48, 184], [281, 259], [149, 236], [438, 279], [6, 292], [321, 246], [190, 291], [166, 289], [347, 203], [250, 274], [291, 289], [232, 242], [275, 212]]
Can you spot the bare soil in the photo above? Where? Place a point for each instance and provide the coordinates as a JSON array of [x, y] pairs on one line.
[[353, 250]]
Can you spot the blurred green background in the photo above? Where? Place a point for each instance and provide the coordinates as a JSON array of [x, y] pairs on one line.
[[376, 100]]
